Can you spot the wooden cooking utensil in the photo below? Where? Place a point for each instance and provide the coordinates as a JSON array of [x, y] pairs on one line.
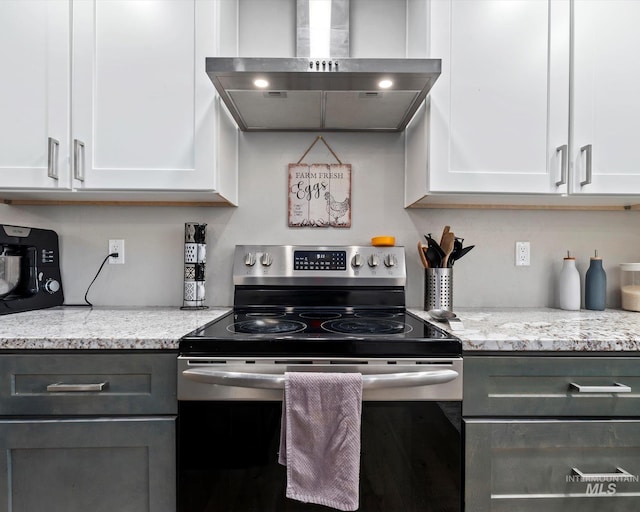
[[447, 247], [444, 232], [421, 251]]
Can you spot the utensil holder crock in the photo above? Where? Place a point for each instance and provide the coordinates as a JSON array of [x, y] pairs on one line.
[[438, 289]]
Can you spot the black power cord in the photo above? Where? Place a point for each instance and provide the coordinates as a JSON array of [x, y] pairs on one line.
[[115, 255]]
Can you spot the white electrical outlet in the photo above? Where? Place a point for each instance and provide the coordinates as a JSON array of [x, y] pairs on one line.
[[116, 246], [523, 254]]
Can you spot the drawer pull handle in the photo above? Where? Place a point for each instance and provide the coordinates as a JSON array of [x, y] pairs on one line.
[[78, 160], [589, 164], [563, 164], [52, 158], [75, 388], [619, 476], [616, 388]]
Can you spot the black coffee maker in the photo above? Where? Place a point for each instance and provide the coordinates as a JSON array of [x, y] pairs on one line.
[[29, 269]]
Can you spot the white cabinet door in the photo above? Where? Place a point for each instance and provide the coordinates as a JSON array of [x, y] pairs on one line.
[[34, 94], [145, 115], [606, 109], [500, 108]]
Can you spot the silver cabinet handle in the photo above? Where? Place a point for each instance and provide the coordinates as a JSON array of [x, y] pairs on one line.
[[563, 150], [52, 158], [271, 381], [75, 388], [589, 164], [615, 388], [619, 475], [78, 160]]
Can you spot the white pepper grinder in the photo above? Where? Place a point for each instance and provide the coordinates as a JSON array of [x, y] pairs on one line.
[[569, 285]]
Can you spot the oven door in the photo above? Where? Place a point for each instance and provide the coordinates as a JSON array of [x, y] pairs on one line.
[[229, 431]]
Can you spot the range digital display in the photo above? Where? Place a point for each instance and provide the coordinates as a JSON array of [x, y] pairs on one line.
[[319, 260]]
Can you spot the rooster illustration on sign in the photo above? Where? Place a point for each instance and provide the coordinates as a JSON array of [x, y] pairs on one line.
[[336, 209]]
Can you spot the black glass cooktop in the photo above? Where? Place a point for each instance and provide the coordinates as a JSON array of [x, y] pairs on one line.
[[321, 333]]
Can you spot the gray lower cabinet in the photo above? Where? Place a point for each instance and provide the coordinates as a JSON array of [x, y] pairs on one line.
[[526, 448], [88, 432], [94, 464]]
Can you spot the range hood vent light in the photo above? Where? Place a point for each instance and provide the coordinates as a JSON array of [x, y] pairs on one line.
[[322, 98]]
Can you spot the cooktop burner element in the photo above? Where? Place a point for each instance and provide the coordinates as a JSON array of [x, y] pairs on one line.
[[266, 326], [320, 315], [376, 314], [370, 326]]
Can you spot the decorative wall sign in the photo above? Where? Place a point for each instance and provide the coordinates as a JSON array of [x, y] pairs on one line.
[[320, 194]]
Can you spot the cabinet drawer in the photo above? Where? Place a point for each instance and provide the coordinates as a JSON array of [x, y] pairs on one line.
[[551, 386], [533, 465], [88, 384]]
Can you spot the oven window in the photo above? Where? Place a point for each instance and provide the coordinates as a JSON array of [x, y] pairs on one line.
[[227, 455]]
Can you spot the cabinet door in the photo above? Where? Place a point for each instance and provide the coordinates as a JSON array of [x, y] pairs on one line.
[[530, 465], [145, 114], [101, 465], [34, 94], [499, 110], [606, 113]]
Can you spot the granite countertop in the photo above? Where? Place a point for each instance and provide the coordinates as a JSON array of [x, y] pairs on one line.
[[102, 327], [160, 328], [545, 329]]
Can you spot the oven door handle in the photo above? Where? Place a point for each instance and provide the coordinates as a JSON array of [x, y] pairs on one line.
[[271, 381]]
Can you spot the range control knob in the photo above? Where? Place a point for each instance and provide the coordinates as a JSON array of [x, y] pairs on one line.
[[373, 261], [249, 259], [51, 285], [266, 259], [390, 261], [356, 261]]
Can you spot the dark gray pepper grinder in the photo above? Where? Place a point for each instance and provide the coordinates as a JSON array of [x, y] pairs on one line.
[[595, 286]]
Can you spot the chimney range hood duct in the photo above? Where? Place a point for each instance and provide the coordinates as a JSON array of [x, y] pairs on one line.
[[322, 94]]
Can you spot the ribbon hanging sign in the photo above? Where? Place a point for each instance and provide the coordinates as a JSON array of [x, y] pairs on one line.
[[320, 194]]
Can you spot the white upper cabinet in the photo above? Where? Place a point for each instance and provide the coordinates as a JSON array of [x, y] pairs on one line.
[[606, 104], [34, 94], [121, 86], [145, 115], [499, 112], [537, 100]]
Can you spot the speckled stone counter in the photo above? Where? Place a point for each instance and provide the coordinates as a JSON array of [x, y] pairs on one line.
[[101, 328], [508, 329], [545, 329]]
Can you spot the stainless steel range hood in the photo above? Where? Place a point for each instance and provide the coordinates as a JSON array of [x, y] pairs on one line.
[[306, 94]]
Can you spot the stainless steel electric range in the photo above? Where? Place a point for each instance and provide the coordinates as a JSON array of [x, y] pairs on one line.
[[319, 309]]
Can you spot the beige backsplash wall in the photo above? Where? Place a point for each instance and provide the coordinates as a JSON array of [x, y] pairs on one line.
[[487, 276]]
